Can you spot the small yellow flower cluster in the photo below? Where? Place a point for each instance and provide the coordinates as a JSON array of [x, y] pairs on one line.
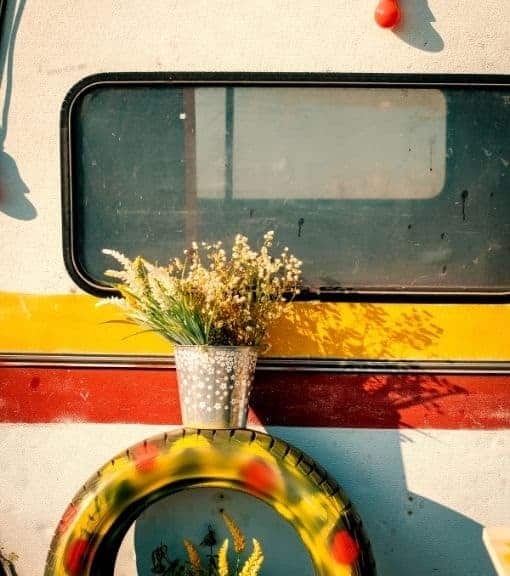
[[208, 297]]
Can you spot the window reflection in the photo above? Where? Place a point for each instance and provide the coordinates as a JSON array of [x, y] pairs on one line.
[[383, 189], [322, 143]]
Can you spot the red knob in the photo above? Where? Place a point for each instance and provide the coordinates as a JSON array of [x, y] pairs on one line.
[[387, 13]]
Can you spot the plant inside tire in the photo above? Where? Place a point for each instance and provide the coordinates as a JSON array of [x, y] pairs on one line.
[[91, 530]]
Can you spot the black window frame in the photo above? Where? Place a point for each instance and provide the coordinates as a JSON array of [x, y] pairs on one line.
[[222, 79]]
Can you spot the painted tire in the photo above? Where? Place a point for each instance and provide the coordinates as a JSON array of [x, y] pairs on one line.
[[91, 530]]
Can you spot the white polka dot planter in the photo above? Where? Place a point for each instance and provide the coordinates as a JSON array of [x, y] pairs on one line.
[[215, 384]]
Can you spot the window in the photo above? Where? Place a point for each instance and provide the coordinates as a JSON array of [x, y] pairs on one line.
[[382, 185]]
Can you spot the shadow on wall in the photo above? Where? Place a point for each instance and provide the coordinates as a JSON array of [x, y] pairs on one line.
[[416, 27], [410, 534], [13, 190], [354, 330], [381, 401]]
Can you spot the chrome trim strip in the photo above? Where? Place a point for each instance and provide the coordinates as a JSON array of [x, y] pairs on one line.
[[274, 364]]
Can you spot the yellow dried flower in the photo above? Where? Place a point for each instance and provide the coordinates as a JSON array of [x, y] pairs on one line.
[[254, 562], [223, 560], [194, 558], [237, 535]]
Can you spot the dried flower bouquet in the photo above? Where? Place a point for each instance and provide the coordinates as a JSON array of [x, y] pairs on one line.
[[208, 298]]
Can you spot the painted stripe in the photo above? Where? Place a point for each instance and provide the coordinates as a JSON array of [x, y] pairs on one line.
[[73, 324], [44, 395]]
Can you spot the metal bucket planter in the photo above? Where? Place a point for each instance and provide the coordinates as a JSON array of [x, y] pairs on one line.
[[215, 384]]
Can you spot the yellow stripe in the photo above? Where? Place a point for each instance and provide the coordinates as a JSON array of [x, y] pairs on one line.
[[73, 324]]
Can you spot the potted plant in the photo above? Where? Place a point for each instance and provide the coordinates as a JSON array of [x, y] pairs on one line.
[[215, 309]]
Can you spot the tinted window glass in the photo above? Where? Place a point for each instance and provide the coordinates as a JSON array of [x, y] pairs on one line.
[[374, 188]]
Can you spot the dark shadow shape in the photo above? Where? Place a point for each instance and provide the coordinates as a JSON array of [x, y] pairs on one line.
[[13, 190], [410, 534], [375, 401], [416, 27], [7, 567]]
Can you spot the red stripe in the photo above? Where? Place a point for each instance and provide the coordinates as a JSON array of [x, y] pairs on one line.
[[35, 395]]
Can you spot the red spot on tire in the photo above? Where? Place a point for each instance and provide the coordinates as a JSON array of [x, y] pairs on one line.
[[344, 549], [260, 476], [67, 518], [144, 456], [76, 556]]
